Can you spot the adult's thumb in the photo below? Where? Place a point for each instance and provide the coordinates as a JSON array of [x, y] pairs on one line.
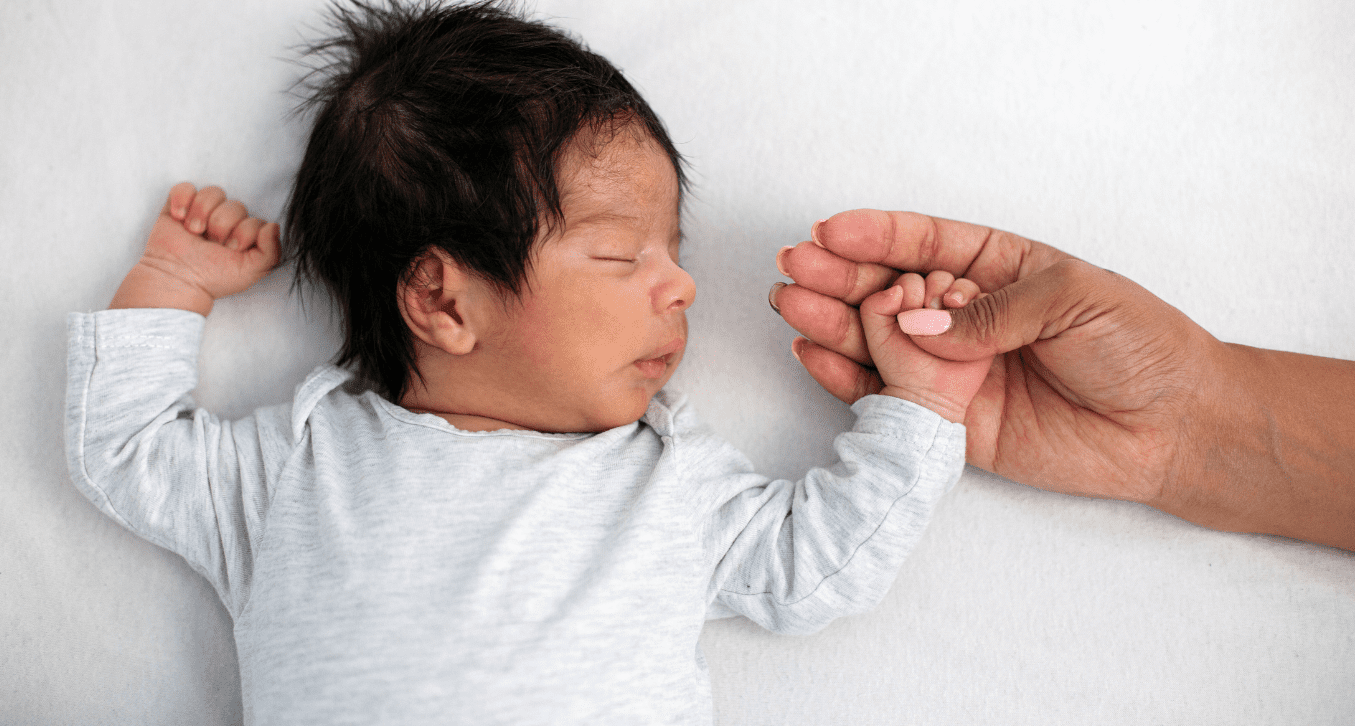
[[1033, 308]]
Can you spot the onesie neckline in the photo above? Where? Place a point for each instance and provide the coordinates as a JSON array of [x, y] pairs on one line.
[[434, 421]]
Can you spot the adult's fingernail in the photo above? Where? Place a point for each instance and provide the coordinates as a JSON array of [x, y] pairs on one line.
[[795, 346], [924, 322], [781, 260], [771, 296], [814, 232]]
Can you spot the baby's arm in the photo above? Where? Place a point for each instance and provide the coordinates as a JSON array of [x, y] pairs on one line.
[[202, 247], [136, 444], [795, 555], [907, 371]]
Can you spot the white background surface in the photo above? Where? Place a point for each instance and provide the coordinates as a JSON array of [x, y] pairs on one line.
[[1202, 149]]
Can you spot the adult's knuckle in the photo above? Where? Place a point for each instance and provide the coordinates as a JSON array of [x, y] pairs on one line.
[[1079, 284], [929, 247], [861, 384], [841, 329], [1072, 272], [851, 281], [988, 316], [992, 239]]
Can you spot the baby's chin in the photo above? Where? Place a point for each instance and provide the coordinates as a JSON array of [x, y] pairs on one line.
[[616, 418], [622, 413], [609, 407]]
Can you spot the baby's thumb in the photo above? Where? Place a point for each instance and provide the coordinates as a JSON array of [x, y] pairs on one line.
[[1033, 308]]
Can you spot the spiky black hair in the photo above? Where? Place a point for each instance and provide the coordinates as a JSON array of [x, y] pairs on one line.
[[438, 127]]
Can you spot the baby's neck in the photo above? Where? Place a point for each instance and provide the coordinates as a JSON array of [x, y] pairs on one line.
[[468, 422], [429, 390]]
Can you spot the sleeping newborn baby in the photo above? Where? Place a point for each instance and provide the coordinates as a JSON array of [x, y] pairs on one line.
[[492, 511]]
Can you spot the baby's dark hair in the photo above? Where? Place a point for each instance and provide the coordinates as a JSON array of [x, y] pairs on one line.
[[439, 127]]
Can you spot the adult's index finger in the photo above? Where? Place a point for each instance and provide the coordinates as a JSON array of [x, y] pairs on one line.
[[919, 243]]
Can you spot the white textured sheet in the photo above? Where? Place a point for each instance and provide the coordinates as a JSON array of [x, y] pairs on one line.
[[1204, 151]]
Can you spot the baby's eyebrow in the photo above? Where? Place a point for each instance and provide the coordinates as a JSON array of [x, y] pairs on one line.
[[605, 218]]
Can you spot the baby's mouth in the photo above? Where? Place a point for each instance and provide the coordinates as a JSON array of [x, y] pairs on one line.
[[662, 358], [653, 367]]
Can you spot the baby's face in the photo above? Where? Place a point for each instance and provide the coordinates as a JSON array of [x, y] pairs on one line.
[[602, 323]]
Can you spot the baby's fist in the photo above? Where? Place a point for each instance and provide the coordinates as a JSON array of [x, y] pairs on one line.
[[908, 372], [202, 247], [211, 242]]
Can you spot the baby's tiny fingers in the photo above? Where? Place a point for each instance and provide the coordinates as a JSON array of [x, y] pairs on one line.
[[937, 284], [225, 218], [203, 204], [243, 236], [914, 290], [962, 292], [180, 196], [268, 246], [883, 303]]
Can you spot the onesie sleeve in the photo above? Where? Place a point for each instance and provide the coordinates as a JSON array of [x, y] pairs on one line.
[[141, 451], [793, 556]]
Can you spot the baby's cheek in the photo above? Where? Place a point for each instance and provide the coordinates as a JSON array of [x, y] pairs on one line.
[[537, 344], [608, 333]]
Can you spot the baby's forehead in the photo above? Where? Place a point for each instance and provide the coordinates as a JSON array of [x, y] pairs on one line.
[[618, 164], [627, 181]]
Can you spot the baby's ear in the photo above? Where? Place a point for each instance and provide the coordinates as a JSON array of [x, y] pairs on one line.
[[433, 299]]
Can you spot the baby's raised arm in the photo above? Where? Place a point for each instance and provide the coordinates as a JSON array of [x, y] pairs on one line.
[[202, 247], [136, 443]]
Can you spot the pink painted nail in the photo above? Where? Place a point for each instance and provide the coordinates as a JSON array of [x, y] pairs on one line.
[[924, 322], [780, 260]]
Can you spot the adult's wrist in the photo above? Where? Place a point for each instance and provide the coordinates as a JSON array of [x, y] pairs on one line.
[[1270, 448], [1219, 427]]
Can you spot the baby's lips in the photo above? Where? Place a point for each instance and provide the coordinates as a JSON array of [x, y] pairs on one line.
[[924, 321], [672, 347]]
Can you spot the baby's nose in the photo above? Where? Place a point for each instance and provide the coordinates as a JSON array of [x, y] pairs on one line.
[[677, 293]]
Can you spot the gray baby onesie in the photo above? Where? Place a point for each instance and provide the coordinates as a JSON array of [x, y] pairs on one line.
[[382, 566]]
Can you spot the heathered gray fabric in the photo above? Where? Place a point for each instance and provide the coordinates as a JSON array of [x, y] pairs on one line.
[[383, 566]]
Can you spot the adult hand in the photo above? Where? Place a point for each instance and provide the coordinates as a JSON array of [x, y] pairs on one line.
[[1099, 388]]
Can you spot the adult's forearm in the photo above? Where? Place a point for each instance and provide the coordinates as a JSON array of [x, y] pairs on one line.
[[1272, 449]]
